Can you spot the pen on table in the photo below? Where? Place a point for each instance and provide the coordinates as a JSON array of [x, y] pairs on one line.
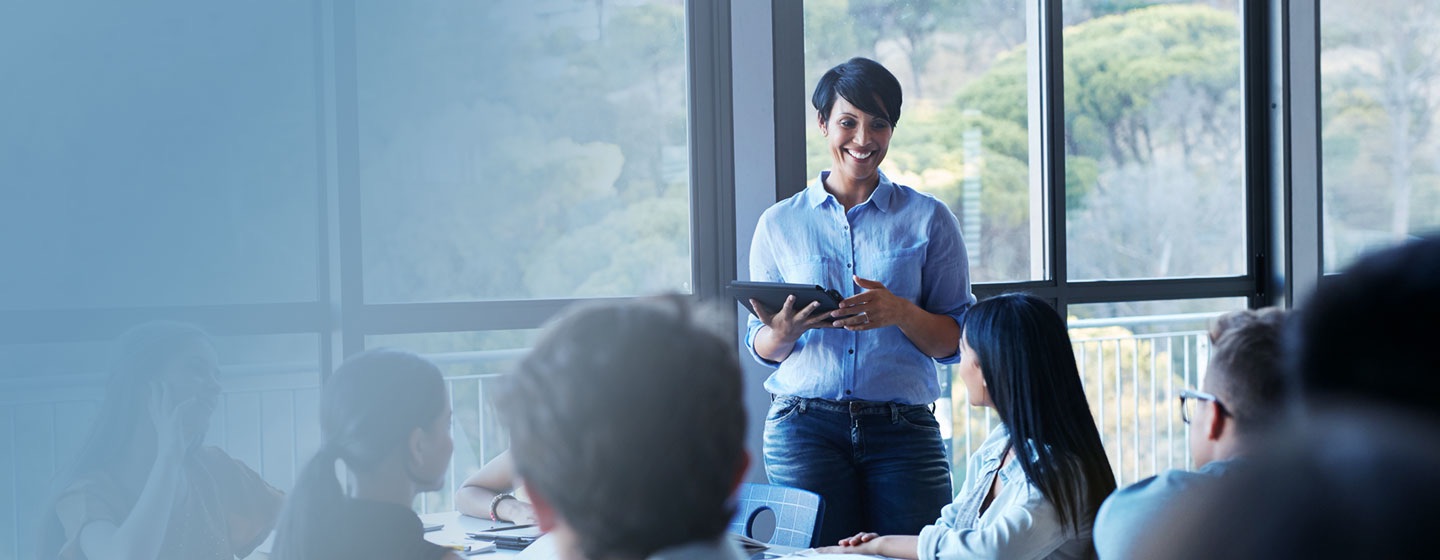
[[509, 528]]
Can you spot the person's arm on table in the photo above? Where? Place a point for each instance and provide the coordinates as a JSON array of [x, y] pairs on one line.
[[893, 546], [480, 490]]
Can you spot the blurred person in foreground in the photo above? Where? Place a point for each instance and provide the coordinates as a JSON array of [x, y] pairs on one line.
[[1242, 395], [1356, 473], [626, 423]]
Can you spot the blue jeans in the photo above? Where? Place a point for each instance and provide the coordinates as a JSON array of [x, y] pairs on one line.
[[880, 467]]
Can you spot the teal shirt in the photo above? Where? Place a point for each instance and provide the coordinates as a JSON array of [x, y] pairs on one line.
[[1132, 513]]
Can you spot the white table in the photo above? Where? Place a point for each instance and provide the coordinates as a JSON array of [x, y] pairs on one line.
[[456, 525]]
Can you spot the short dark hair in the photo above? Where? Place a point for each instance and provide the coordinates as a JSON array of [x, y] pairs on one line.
[[1371, 332], [1246, 365], [627, 418], [860, 81]]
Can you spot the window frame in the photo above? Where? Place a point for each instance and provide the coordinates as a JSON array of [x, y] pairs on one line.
[[1264, 283]]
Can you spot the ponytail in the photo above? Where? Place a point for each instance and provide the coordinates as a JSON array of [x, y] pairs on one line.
[[305, 524], [368, 408]]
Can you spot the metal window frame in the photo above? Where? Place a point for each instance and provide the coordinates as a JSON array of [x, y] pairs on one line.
[[1262, 273], [339, 314], [1282, 189]]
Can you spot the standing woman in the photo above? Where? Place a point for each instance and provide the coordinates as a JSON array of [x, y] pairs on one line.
[[385, 416], [1032, 488], [852, 417]]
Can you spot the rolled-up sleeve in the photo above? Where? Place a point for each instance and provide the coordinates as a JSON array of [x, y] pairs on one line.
[[762, 269], [945, 276], [1027, 530]]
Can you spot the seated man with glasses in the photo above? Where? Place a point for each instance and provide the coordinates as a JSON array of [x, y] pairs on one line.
[[1242, 395]]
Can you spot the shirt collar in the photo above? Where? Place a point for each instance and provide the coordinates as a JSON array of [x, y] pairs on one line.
[[881, 198]]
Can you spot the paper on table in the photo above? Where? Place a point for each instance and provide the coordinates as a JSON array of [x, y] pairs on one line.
[[749, 543], [811, 553], [466, 547]]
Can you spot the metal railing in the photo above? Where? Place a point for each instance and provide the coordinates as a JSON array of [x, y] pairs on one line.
[[268, 415], [1131, 380]]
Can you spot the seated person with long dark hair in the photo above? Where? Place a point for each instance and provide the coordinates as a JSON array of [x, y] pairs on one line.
[[1032, 488], [385, 416], [143, 486]]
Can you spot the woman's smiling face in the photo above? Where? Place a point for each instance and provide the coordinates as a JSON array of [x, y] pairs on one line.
[[858, 140]]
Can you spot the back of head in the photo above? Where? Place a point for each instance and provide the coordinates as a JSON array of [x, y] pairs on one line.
[[1370, 333], [368, 409], [1246, 366], [865, 84], [1028, 363], [627, 419]]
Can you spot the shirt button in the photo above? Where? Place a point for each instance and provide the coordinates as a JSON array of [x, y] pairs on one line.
[[852, 350], [847, 265], [847, 391]]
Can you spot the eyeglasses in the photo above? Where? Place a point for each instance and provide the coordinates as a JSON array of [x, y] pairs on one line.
[[1189, 403]]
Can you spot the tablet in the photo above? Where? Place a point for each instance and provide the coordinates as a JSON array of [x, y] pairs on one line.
[[772, 295]]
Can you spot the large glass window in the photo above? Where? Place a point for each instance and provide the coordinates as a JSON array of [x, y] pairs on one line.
[[1154, 161], [1153, 191], [1379, 107], [968, 76], [521, 150], [154, 160]]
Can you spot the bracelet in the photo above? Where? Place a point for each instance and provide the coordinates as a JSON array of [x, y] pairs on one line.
[[495, 504]]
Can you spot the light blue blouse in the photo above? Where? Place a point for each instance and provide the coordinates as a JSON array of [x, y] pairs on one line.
[[1020, 522], [905, 239]]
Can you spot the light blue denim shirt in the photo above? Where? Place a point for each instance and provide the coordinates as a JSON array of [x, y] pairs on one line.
[[1131, 515], [1020, 522], [905, 239]]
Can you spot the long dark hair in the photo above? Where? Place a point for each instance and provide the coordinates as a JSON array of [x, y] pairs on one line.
[[137, 360], [1029, 368], [369, 408]]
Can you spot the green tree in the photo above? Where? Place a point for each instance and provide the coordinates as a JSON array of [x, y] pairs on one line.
[[1382, 68]]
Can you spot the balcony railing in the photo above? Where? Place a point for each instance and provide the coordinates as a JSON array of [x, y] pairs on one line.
[[268, 417], [1132, 368]]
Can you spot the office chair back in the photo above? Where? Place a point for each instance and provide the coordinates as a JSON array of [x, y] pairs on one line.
[[797, 513]]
